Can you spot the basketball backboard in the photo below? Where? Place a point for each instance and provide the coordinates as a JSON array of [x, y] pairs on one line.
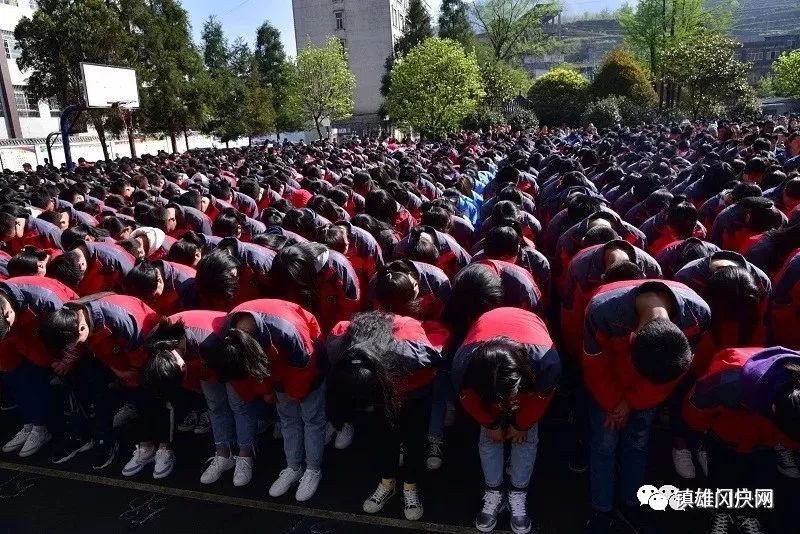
[[106, 85]]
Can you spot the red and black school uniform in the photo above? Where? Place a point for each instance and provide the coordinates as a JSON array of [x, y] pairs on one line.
[[364, 253], [434, 292], [520, 289], [37, 233], [532, 261], [339, 291], [107, 264], [784, 305], [452, 256], [180, 292], [730, 230], [190, 219], [659, 234], [671, 257]]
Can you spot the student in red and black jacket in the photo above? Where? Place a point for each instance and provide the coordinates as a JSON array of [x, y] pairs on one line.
[[168, 287], [746, 405], [233, 273], [425, 243], [92, 339], [784, 305], [739, 222], [639, 337], [24, 359], [410, 288], [357, 245], [585, 274], [273, 348], [389, 362], [92, 267], [18, 228], [319, 279], [506, 372], [677, 221], [677, 254]]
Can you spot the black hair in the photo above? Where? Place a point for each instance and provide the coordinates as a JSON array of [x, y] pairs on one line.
[[59, 330], [694, 249], [7, 223], [787, 403], [333, 236], [681, 217], [599, 235], [240, 356], [216, 280], [229, 223], [625, 270], [183, 251], [394, 287], [4, 326], [501, 242], [76, 235], [763, 215], [660, 351], [302, 222], [294, 275], [250, 188], [115, 226], [65, 269], [381, 205], [53, 217], [734, 296], [365, 375], [784, 241], [438, 218], [476, 290], [498, 370], [422, 250], [744, 190], [274, 242], [25, 263], [142, 280]]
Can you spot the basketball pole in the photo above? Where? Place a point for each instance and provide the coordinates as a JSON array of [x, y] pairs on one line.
[[72, 111]]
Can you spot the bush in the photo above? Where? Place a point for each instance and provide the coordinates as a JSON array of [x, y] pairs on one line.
[[621, 75], [560, 96], [602, 113], [482, 119], [632, 113], [522, 120]]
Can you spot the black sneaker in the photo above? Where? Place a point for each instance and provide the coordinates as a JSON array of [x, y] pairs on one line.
[[104, 454], [599, 523], [7, 402], [721, 524], [638, 518], [494, 502], [66, 449], [579, 460], [520, 520], [748, 524]]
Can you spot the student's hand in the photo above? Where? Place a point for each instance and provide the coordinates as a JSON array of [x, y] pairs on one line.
[[60, 368], [616, 418], [517, 436], [495, 435]]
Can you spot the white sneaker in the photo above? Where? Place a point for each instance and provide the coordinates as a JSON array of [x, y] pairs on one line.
[[189, 422], [203, 424], [786, 462], [330, 431], [165, 463], [243, 473], [36, 440], [345, 436], [125, 415], [702, 460], [682, 460], [286, 478], [413, 507], [141, 457], [217, 465], [276, 431], [377, 500], [309, 483], [16, 443]]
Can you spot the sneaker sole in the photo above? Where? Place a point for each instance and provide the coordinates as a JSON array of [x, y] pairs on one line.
[[521, 531], [109, 460], [201, 430], [31, 452], [139, 470], [83, 448], [787, 473], [417, 518], [14, 448], [382, 504], [308, 497], [285, 491], [486, 529], [165, 474]]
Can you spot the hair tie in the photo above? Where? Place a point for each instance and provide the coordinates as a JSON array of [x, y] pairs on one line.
[[357, 361]]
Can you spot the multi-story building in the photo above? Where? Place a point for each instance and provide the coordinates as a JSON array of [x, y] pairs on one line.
[[761, 53], [368, 29], [21, 116]]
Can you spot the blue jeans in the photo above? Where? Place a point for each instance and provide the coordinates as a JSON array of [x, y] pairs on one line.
[[441, 393], [30, 385], [523, 457], [632, 442], [232, 419], [303, 428]]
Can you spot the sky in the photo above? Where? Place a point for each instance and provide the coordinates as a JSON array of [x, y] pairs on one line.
[[241, 18]]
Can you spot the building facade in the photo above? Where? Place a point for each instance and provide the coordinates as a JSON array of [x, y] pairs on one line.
[[368, 30], [21, 116], [761, 53]]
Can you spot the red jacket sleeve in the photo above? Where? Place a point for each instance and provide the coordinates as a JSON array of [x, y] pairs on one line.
[[473, 406], [598, 371], [531, 409]]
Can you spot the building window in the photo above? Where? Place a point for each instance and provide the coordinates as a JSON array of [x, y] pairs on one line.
[[760, 55], [10, 45], [338, 17], [55, 107], [9, 2], [343, 42], [27, 106]]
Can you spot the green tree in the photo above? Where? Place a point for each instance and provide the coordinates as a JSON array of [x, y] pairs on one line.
[[602, 113], [257, 109], [655, 26], [513, 28], [454, 23], [275, 71], [501, 83], [61, 35], [322, 84], [707, 73], [766, 87], [434, 87], [418, 27], [787, 73], [560, 96], [175, 94], [240, 58], [215, 45], [621, 75]]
